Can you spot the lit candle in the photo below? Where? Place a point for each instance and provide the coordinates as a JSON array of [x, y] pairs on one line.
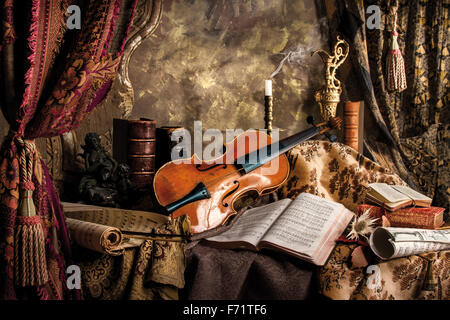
[[268, 91]]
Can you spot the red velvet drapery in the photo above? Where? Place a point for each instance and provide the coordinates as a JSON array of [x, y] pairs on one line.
[[52, 77]]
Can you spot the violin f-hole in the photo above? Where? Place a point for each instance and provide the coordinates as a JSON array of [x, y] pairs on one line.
[[210, 167], [230, 193]]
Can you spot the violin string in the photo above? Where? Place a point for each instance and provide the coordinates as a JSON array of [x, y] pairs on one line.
[[208, 183]]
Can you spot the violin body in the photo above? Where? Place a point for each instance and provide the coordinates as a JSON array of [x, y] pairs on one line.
[[209, 189]]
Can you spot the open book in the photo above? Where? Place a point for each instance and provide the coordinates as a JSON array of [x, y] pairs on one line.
[[306, 227], [396, 197]]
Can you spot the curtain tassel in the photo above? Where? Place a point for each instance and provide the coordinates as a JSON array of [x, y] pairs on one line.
[[396, 67], [29, 240]]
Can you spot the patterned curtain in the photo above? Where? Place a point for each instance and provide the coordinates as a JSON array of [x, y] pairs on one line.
[[413, 126], [52, 77]]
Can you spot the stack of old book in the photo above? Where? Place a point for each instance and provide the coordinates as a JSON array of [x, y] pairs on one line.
[[402, 206], [408, 224]]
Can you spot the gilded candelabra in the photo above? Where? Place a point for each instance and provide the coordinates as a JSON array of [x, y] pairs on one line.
[[329, 95]]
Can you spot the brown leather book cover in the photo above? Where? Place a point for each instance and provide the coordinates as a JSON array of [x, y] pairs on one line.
[[120, 140], [411, 217], [423, 218], [351, 124], [135, 144]]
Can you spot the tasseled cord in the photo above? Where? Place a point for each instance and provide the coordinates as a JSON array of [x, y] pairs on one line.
[[29, 239], [395, 65]]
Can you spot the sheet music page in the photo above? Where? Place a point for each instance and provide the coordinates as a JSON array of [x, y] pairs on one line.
[[125, 220], [304, 223], [253, 224], [413, 194], [388, 192], [389, 243], [404, 249]]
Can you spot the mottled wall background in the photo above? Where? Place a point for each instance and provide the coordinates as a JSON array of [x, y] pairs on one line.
[[208, 61]]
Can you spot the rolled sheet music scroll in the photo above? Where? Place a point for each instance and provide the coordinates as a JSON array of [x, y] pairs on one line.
[[97, 237], [390, 243]]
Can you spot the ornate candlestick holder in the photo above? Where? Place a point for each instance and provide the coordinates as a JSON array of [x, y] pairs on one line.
[[268, 118], [268, 104], [329, 96]]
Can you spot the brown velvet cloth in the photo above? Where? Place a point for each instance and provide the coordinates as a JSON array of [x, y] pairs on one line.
[[220, 274]]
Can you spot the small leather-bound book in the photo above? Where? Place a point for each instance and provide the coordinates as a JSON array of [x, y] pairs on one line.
[[393, 197], [120, 140], [410, 217], [422, 218], [141, 151]]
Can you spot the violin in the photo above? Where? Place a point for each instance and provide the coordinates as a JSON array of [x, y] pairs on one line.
[[207, 191]]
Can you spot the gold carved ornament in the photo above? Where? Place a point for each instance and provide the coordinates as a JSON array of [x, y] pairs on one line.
[[329, 95]]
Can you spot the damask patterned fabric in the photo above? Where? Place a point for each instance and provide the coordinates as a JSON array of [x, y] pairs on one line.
[[419, 277], [414, 125], [337, 172], [53, 78], [333, 171], [155, 270]]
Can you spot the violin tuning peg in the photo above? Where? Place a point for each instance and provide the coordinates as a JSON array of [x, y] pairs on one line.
[[310, 120], [335, 123]]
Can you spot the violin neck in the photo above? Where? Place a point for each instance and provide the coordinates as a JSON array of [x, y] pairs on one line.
[[257, 158]]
